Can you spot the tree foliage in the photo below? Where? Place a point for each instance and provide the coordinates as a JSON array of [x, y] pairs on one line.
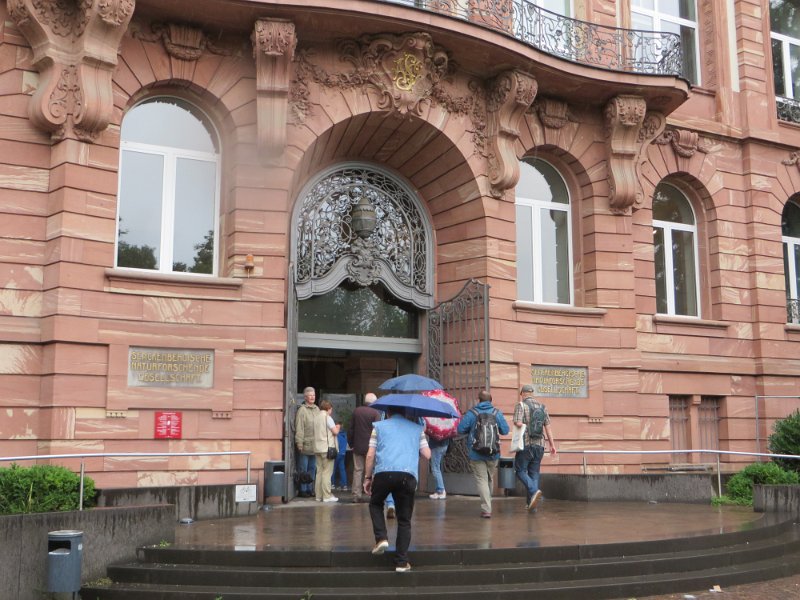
[[785, 439], [42, 488]]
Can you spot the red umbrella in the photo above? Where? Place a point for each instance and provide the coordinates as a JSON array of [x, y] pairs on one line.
[[440, 428]]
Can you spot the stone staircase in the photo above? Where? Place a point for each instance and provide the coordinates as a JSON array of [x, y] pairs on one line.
[[578, 572]]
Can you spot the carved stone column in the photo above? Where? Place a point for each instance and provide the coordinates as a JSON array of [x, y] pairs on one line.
[[274, 42], [75, 44], [629, 129], [510, 95]]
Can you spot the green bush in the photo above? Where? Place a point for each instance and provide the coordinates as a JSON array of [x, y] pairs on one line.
[[42, 488], [740, 486], [785, 439]]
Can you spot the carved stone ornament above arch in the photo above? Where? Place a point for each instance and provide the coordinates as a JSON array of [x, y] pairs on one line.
[[180, 41], [75, 44], [684, 143], [630, 127], [360, 224], [554, 114], [794, 159], [274, 43]]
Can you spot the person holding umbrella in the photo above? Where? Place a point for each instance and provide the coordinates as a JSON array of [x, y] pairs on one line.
[[392, 466]]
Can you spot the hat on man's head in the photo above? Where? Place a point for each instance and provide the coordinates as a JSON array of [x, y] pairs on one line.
[[526, 389]]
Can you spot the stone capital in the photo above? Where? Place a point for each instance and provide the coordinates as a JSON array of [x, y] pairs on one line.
[[630, 127], [510, 94], [274, 43], [75, 48]]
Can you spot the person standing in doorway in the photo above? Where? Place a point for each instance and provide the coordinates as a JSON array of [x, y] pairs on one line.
[[484, 424], [392, 467], [305, 460], [528, 461], [325, 432], [358, 435]]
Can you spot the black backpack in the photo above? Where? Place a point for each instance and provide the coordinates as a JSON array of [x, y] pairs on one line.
[[486, 440], [538, 415]]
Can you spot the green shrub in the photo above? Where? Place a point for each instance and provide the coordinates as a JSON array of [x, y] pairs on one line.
[[42, 488], [785, 439], [740, 486]]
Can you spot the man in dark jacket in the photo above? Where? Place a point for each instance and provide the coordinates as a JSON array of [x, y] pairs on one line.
[[358, 435]]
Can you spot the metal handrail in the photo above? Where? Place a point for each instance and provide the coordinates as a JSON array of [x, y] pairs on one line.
[[123, 454], [610, 48], [699, 451]]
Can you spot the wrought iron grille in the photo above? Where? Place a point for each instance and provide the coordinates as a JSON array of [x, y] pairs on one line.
[[788, 109], [793, 310], [458, 343], [708, 422], [325, 231], [612, 48], [679, 426]]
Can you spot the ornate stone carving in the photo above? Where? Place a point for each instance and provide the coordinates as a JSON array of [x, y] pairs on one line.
[[403, 69], [75, 44], [684, 143], [274, 41], [180, 41], [629, 128], [510, 95], [794, 159], [364, 268], [553, 114]]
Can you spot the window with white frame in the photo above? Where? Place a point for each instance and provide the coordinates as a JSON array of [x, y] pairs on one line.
[[790, 230], [784, 17], [561, 7], [544, 234], [672, 16], [675, 248], [168, 189]]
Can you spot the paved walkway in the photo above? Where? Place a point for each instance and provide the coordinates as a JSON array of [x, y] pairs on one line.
[[455, 522]]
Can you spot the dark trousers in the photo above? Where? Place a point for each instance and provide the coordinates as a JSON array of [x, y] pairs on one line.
[[402, 486]]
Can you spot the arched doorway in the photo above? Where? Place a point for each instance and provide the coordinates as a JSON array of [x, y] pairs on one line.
[[361, 279]]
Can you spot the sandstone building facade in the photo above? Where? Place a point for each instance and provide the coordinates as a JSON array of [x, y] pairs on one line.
[[208, 205]]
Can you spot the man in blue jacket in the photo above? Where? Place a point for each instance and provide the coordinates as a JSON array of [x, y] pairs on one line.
[[483, 465]]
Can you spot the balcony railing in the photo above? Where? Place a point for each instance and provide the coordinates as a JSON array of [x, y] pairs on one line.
[[793, 311], [788, 110], [611, 48]]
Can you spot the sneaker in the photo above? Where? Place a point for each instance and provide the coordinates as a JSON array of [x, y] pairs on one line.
[[331, 499], [434, 496], [535, 500], [438, 495], [486, 515], [390, 512], [403, 568], [380, 547]]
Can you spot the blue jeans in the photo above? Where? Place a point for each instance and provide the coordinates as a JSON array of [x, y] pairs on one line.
[[307, 463], [437, 454], [339, 477], [526, 464]]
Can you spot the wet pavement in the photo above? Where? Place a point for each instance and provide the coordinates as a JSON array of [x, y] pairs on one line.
[[456, 523]]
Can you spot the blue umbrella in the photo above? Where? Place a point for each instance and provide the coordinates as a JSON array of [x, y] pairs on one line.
[[410, 383], [416, 405]]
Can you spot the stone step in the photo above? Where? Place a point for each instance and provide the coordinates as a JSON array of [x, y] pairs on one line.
[[379, 573], [408, 586]]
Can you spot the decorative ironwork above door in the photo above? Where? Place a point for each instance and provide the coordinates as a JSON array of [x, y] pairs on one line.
[[359, 223]]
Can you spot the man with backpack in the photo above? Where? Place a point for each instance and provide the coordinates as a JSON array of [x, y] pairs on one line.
[[528, 461], [484, 425]]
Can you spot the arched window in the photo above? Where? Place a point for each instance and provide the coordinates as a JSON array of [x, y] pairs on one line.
[[544, 246], [168, 189], [790, 230], [675, 243]]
